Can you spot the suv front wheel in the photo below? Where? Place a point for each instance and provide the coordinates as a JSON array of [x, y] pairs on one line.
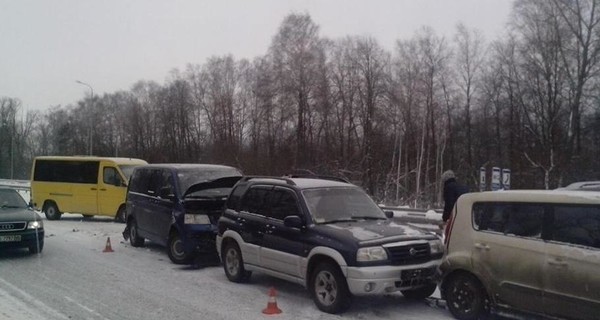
[[329, 288], [233, 264]]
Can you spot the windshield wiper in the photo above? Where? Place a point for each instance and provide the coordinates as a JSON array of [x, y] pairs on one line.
[[339, 220], [368, 218]]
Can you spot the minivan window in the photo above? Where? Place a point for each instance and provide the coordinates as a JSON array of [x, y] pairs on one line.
[[140, 180], [111, 176], [578, 225], [520, 219], [127, 170], [66, 171]]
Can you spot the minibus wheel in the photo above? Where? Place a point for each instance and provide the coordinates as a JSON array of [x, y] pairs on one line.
[[51, 211]]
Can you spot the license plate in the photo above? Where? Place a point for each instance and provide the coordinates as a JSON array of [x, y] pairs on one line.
[[10, 238]]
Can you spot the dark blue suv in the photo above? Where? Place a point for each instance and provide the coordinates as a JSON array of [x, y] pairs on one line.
[[327, 235], [178, 206]]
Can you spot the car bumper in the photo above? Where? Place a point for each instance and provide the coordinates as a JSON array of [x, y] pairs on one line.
[[200, 239], [28, 238], [385, 279]]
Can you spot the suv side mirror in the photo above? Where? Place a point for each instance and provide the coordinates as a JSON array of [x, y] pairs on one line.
[[292, 222], [389, 214]]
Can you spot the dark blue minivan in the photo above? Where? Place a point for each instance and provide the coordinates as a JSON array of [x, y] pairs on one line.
[[178, 206]]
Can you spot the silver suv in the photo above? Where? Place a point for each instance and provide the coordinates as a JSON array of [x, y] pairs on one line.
[[532, 251]]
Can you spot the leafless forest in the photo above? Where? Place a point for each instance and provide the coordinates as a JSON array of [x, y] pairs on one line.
[[390, 121]]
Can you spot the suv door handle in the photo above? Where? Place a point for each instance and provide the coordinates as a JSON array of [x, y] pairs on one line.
[[482, 246], [557, 262], [102, 189], [94, 189]]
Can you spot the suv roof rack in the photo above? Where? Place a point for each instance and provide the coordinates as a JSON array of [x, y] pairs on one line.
[[317, 176], [286, 179]]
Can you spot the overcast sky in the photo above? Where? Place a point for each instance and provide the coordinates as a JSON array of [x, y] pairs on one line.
[[110, 44]]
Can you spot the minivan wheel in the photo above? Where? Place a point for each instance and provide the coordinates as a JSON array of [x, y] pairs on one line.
[[134, 238], [466, 298], [329, 288], [419, 293], [233, 263], [175, 249], [51, 211]]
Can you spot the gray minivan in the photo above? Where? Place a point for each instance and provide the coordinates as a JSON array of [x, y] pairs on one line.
[[178, 206]]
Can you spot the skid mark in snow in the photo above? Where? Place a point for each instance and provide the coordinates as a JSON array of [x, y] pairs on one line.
[[91, 311], [20, 301]]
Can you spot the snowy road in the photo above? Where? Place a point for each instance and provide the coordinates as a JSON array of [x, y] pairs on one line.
[[74, 279]]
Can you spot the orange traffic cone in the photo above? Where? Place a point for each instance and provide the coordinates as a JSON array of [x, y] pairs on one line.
[[108, 248], [272, 305]]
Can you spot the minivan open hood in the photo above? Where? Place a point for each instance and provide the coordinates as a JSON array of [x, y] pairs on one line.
[[226, 182]]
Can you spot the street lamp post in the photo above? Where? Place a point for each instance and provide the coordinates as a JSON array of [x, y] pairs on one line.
[[90, 112]]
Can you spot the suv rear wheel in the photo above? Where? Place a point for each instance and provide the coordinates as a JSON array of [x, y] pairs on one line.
[[466, 298], [175, 249], [233, 263], [329, 288]]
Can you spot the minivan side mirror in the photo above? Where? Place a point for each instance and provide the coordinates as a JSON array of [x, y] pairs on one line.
[[389, 214], [293, 222]]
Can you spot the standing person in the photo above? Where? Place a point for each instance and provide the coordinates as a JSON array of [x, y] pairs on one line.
[[452, 190]]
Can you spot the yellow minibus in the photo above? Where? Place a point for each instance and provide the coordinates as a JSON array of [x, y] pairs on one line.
[[81, 184]]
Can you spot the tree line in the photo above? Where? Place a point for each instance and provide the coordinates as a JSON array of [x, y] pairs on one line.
[[389, 120]]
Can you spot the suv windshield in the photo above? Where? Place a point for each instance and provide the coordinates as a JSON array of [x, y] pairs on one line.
[[340, 204], [189, 177], [11, 199]]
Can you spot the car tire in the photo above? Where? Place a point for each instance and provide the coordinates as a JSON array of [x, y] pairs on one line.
[[419, 293], [466, 298], [36, 248], [134, 238], [329, 289], [51, 211], [233, 263], [120, 216], [175, 249]]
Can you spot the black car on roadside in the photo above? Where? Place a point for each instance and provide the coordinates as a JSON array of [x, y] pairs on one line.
[[20, 226], [327, 235]]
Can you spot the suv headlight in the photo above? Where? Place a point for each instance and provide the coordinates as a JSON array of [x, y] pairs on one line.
[[371, 254], [196, 219], [436, 246], [35, 224]]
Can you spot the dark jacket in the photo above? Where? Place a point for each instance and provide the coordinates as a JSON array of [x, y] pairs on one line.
[[452, 190]]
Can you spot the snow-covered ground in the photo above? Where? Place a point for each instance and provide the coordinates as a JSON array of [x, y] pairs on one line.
[[74, 279]]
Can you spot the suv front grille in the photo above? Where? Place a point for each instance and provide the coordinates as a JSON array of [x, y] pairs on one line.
[[409, 254]]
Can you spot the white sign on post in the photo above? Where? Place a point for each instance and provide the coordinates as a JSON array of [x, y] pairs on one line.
[[482, 179], [496, 182], [506, 179]]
